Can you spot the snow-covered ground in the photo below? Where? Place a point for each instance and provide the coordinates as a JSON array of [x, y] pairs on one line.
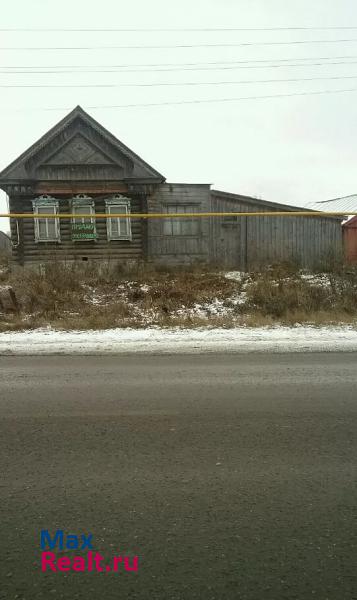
[[171, 341]]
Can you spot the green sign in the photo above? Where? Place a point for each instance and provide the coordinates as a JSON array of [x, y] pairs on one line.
[[83, 231]]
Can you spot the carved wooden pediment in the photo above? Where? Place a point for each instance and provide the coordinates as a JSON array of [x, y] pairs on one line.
[[79, 149]]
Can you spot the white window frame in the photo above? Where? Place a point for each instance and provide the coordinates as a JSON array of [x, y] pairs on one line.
[[52, 207], [86, 205], [174, 227], [111, 204]]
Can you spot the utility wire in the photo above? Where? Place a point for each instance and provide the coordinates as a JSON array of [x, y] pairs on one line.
[[180, 102], [178, 29], [179, 84], [169, 70], [176, 46], [183, 84], [190, 64]]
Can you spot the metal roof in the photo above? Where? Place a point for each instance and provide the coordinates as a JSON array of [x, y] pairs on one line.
[[347, 204]]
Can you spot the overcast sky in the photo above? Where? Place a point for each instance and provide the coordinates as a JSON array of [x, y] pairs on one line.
[[291, 149]]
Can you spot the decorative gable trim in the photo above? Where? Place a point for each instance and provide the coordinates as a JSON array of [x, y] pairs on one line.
[[19, 170], [79, 150]]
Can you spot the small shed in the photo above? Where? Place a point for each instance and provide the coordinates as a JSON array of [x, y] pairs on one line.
[[350, 240]]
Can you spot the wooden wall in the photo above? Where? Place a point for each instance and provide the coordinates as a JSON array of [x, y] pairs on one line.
[[179, 249], [29, 251], [250, 242], [242, 243], [228, 235]]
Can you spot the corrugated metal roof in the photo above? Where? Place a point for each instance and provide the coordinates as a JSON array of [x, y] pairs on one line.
[[347, 204]]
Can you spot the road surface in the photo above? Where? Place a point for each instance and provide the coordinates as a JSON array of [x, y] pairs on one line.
[[231, 477]]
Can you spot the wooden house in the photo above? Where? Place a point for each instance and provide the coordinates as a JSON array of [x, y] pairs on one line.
[[79, 167]]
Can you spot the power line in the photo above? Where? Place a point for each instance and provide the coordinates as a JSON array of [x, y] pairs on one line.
[[226, 99], [220, 62], [178, 29], [176, 46], [169, 70], [178, 84], [180, 102]]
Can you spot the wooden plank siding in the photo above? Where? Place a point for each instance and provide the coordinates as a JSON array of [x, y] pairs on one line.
[[305, 240], [29, 251], [179, 249], [228, 234], [250, 242], [242, 243]]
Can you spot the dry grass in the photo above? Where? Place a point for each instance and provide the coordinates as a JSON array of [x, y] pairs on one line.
[[291, 297], [87, 297]]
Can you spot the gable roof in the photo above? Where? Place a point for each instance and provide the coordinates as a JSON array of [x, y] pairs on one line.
[[266, 203], [16, 171]]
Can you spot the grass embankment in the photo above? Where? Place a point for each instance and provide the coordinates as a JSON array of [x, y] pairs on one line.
[[85, 297]]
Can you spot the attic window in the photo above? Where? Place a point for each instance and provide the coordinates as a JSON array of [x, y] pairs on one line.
[[47, 229], [118, 228]]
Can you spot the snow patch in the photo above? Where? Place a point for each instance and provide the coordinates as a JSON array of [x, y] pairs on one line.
[[176, 340], [235, 275], [317, 279]]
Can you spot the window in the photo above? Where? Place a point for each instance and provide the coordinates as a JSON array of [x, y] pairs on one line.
[[83, 228], [47, 229], [118, 228], [184, 225], [84, 205]]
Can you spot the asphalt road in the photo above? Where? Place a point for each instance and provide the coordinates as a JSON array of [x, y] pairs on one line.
[[231, 477]]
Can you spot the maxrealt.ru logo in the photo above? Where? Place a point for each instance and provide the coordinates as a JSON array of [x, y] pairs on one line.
[[91, 561]]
